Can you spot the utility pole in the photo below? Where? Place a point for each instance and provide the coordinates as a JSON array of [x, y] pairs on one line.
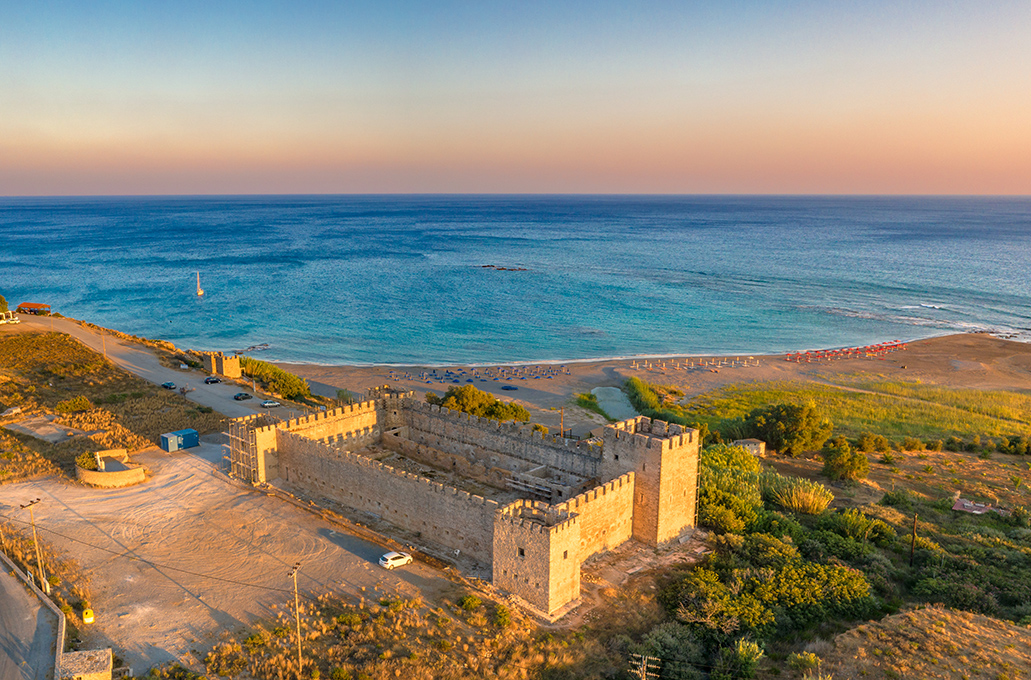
[[297, 613], [562, 422], [44, 585], [644, 667]]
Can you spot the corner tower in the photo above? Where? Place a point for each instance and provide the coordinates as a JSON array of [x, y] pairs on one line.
[[664, 460]]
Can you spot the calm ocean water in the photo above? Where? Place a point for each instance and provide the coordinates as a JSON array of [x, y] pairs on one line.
[[400, 279]]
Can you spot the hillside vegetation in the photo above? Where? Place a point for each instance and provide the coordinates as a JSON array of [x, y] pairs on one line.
[[52, 373], [858, 406]]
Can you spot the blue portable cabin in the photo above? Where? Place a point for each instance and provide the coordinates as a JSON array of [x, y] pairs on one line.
[[180, 439]]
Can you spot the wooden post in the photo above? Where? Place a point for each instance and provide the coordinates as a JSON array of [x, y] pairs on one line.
[[912, 545]]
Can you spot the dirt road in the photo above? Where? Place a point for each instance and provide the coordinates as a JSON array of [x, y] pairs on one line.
[[141, 362], [27, 633], [177, 561]]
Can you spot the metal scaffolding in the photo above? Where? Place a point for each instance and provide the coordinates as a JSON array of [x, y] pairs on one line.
[[243, 450]]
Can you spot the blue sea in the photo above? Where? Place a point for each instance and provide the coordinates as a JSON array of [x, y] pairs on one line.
[[500, 279]]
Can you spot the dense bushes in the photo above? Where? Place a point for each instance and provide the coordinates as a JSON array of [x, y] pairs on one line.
[[760, 585], [74, 405], [789, 428], [729, 499], [87, 460], [278, 381], [841, 462], [468, 399]]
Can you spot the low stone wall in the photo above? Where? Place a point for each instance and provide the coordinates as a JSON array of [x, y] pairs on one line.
[[111, 480]]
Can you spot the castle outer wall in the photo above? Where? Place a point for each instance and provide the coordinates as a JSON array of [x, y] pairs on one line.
[[648, 472]]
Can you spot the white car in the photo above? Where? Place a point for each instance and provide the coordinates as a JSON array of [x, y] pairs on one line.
[[268, 403], [395, 559]]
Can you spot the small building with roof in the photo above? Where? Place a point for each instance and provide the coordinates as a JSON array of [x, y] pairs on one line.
[[33, 308], [756, 447]]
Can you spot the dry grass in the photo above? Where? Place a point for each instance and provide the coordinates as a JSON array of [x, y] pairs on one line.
[[39, 371], [69, 586], [1002, 479], [394, 637], [932, 643]]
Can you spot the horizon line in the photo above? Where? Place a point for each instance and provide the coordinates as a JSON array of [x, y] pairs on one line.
[[520, 194]]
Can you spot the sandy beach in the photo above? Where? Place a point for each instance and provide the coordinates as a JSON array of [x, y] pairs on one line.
[[967, 361]]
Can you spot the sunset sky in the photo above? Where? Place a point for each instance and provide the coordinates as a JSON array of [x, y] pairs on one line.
[[210, 97]]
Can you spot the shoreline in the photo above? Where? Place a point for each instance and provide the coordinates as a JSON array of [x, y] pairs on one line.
[[963, 361], [626, 357]]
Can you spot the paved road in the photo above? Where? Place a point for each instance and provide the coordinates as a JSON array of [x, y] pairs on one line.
[[27, 633], [140, 361]]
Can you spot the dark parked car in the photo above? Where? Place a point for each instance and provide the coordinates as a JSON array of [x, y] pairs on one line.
[[509, 387], [241, 396], [168, 385], [212, 380]]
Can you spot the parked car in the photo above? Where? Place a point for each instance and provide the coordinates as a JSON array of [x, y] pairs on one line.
[[212, 380], [168, 385], [395, 559], [241, 396], [509, 387], [269, 403]]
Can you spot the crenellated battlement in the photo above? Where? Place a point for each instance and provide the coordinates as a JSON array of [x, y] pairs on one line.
[[327, 451], [576, 503], [644, 432], [514, 429], [537, 517]]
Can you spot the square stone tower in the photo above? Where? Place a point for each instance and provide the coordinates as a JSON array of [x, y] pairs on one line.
[[664, 460], [536, 553]]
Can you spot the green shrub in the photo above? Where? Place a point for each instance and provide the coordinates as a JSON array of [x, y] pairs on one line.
[[912, 444], [889, 458], [469, 399], [288, 385], [502, 616], [841, 462], [868, 443], [803, 661], [469, 602], [737, 662], [789, 428], [795, 493], [339, 673], [73, 405], [897, 499], [537, 427], [589, 401], [87, 460], [679, 648]]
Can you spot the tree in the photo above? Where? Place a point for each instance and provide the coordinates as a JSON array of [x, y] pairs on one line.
[[468, 399], [3, 304], [789, 428], [841, 462]]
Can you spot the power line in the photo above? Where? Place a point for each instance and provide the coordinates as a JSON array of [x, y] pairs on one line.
[[156, 565]]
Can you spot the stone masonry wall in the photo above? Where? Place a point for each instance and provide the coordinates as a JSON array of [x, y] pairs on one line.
[[605, 514], [463, 434], [538, 563], [442, 514]]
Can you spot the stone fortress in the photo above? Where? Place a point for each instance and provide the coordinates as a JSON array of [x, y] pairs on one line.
[[531, 506]]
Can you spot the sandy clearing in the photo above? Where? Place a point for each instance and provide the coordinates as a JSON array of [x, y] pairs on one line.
[[178, 560]]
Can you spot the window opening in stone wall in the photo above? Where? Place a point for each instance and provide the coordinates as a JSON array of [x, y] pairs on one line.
[[522, 553], [565, 554]]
